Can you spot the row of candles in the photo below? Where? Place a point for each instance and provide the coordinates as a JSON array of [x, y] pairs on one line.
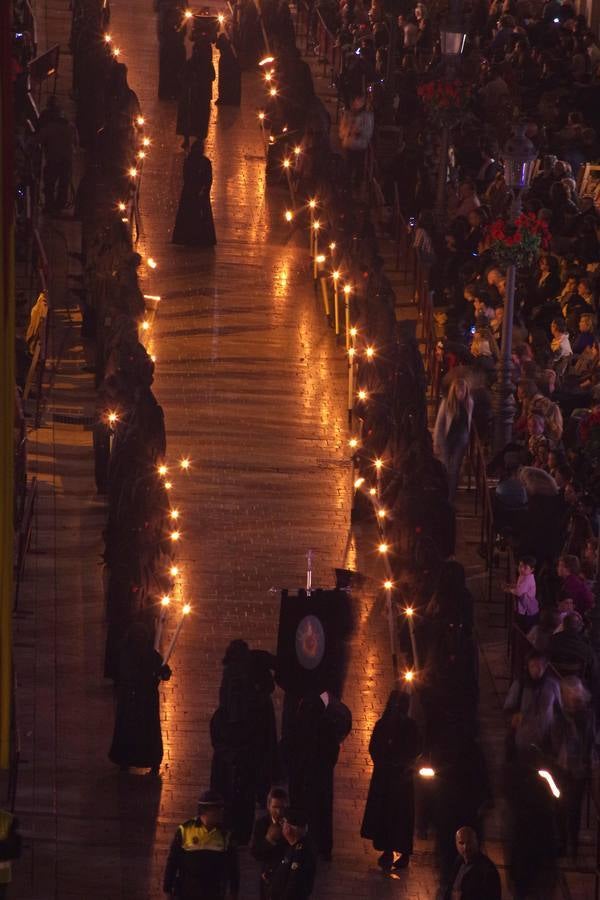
[[127, 210], [334, 286]]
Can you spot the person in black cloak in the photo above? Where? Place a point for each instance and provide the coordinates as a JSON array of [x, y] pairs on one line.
[[194, 225], [243, 735], [390, 811], [137, 739], [171, 58], [230, 76], [193, 111], [315, 731]]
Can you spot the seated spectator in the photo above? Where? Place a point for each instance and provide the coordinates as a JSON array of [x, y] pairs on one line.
[[560, 345], [570, 652], [538, 444], [585, 338], [573, 585], [533, 401]]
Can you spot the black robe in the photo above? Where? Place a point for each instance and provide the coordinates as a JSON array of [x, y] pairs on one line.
[[137, 739], [194, 226], [193, 111], [390, 810], [230, 76]]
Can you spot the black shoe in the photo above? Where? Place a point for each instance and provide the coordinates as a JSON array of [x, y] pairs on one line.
[[386, 861]]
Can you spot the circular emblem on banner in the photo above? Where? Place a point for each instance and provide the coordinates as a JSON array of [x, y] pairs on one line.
[[310, 642]]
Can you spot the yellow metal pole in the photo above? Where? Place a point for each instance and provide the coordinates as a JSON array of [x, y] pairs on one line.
[[7, 386]]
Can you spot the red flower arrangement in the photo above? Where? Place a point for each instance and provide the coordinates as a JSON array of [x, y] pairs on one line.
[[444, 100], [518, 243]]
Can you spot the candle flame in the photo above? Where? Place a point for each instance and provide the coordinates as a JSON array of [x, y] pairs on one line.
[[378, 463], [186, 609], [140, 120], [351, 352], [113, 417], [116, 51], [383, 548], [359, 482], [362, 394], [409, 676], [165, 601], [388, 585], [320, 258], [184, 463], [409, 611], [353, 332], [297, 150], [268, 76], [353, 442], [332, 245], [347, 289], [162, 469], [146, 142], [381, 513], [261, 116], [316, 225], [174, 571], [372, 491], [370, 351], [141, 154], [312, 203], [145, 325], [427, 772], [133, 172], [289, 215], [188, 14], [121, 206], [107, 38], [335, 275], [273, 92], [168, 485], [286, 164], [152, 262], [175, 535], [174, 513], [221, 18]]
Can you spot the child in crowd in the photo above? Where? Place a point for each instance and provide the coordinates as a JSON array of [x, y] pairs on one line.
[[525, 593]]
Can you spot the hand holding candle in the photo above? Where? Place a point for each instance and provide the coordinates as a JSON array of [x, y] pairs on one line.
[[164, 604]]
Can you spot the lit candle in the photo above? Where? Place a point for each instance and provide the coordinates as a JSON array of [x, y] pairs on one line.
[[315, 228], [336, 298], [185, 463], [309, 573], [185, 611], [378, 469], [351, 353], [164, 604], [347, 290]]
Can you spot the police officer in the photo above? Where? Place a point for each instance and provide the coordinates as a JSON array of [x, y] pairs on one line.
[[294, 877], [202, 862]]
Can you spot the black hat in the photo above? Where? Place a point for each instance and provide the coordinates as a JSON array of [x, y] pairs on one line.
[[211, 800], [296, 817]]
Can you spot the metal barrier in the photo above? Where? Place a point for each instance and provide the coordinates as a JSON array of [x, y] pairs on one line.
[[327, 47]]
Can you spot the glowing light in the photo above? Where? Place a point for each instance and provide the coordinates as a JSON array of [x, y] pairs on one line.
[[133, 172], [221, 18], [388, 585], [370, 351], [372, 491], [378, 463], [261, 116], [112, 418], [124, 219], [427, 772], [174, 571], [271, 139], [289, 215], [273, 92], [151, 262], [186, 609], [284, 129], [146, 142], [297, 150], [409, 676], [409, 612], [286, 163], [351, 352], [347, 289], [140, 120], [154, 297], [316, 225], [320, 258], [168, 485], [153, 357], [362, 394], [107, 38], [162, 469], [353, 442], [184, 463], [121, 206], [353, 332], [381, 513], [174, 514], [543, 773], [267, 61], [141, 154], [188, 14], [116, 51], [268, 76], [312, 203], [165, 601], [359, 482], [145, 325], [332, 245], [383, 548], [175, 535], [335, 275]]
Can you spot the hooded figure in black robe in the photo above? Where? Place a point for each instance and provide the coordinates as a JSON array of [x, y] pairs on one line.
[[194, 225], [193, 112], [171, 57], [137, 739], [230, 76], [390, 810]]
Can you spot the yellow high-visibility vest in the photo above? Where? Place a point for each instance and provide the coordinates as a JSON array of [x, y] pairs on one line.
[[196, 836], [6, 820]]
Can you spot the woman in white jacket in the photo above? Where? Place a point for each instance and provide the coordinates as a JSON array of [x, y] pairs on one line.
[[356, 131], [452, 430]]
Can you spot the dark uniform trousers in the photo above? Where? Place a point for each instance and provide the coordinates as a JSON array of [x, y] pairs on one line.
[[294, 877]]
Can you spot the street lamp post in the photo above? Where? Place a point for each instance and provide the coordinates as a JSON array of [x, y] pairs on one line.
[[451, 45], [519, 155]]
